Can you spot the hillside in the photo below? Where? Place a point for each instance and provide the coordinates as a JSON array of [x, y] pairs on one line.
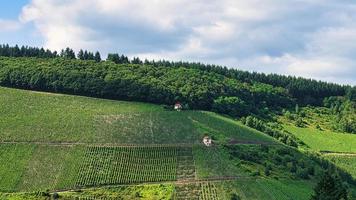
[[60, 142], [107, 129]]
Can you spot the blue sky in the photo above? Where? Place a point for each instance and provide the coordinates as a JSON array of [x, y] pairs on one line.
[[314, 39]]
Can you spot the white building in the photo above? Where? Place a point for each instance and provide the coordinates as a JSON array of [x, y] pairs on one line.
[[207, 141], [178, 106]]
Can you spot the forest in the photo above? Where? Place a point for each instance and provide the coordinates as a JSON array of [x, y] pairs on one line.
[[198, 86]]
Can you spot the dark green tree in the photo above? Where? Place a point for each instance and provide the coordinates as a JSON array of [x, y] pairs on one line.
[[97, 57], [330, 187], [351, 93], [80, 55]]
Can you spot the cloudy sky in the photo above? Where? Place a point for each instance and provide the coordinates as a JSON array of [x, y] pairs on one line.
[[309, 38]]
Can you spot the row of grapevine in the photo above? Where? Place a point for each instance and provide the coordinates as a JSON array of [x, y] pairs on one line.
[[186, 167], [189, 191], [119, 165], [208, 192], [196, 191]]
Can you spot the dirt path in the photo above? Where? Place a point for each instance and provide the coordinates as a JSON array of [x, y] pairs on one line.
[[338, 154], [131, 145]]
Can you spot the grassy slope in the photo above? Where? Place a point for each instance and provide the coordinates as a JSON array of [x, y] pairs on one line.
[[345, 162], [46, 117], [28, 116], [268, 189], [325, 140]]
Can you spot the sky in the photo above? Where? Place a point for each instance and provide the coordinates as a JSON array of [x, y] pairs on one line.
[[308, 38]]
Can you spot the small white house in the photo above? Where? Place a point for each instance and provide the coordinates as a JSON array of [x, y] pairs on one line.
[[178, 106], [207, 141]]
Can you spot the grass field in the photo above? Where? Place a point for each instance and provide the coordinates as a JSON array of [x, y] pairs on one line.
[[345, 162], [46, 117], [325, 140]]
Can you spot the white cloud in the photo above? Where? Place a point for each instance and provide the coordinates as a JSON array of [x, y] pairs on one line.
[[305, 38], [9, 25]]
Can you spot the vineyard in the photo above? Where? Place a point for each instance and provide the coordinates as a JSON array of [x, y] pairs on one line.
[[196, 191], [185, 167], [208, 192], [117, 165]]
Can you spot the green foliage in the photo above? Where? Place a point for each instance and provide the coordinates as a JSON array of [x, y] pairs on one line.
[[266, 188], [232, 106], [126, 81], [280, 135], [330, 187], [351, 93], [343, 110], [277, 161], [346, 162]]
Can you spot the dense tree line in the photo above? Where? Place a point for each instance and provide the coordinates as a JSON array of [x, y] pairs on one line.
[[272, 130], [25, 51], [330, 187], [305, 91], [197, 88], [344, 109]]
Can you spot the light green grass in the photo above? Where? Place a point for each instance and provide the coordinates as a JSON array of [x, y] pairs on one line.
[[47, 117], [13, 161], [324, 140]]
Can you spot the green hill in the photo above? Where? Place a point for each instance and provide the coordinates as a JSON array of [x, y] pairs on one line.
[[129, 143], [54, 142]]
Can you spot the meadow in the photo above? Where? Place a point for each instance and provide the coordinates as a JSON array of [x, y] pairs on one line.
[[324, 140]]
